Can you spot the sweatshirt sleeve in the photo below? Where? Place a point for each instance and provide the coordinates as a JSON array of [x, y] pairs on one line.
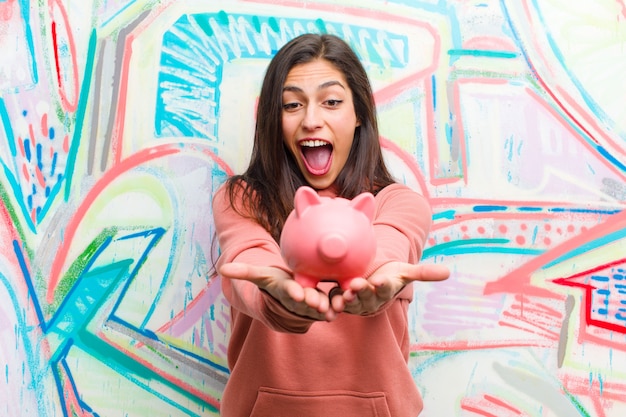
[[401, 225], [242, 239]]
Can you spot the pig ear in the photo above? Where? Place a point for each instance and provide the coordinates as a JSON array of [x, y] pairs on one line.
[[305, 197], [365, 203]]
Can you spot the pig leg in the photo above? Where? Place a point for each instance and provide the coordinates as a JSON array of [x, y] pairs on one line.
[[306, 281], [344, 284]]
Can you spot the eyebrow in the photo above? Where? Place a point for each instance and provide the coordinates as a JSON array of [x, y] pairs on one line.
[[322, 86]]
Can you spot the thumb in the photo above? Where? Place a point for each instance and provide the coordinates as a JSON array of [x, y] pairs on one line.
[[236, 270], [426, 272]]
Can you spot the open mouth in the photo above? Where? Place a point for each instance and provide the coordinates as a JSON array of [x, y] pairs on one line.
[[317, 155]]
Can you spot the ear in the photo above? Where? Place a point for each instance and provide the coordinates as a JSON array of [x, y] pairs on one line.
[[366, 204], [305, 197]]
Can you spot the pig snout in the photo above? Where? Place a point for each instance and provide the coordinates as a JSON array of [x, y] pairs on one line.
[[333, 248]]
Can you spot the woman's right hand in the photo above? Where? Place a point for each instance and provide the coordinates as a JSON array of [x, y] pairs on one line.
[[306, 302]]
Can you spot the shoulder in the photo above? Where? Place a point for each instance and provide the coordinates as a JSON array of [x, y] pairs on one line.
[[398, 190], [400, 197], [228, 195], [220, 196]]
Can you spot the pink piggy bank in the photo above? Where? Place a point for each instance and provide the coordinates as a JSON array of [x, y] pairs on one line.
[[328, 239]]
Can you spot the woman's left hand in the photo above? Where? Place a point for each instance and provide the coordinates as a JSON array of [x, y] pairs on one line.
[[366, 296]]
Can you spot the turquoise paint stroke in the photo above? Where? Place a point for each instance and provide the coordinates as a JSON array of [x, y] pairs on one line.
[[80, 119], [19, 196], [483, 53], [25, 11], [468, 246], [85, 299], [196, 47], [584, 248], [8, 129]]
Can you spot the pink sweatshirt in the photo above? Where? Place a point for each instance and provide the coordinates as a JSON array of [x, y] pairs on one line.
[[285, 365]]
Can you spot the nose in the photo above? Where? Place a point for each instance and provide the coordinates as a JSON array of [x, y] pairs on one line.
[[333, 248], [312, 118]]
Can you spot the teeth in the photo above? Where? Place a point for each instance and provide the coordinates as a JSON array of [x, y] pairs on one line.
[[313, 143]]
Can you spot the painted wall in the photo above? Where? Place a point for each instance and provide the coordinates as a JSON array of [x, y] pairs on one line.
[[118, 119]]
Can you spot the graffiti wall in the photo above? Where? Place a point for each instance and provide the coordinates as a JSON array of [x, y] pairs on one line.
[[118, 120]]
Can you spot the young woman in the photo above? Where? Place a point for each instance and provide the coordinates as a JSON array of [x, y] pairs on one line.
[[318, 352]]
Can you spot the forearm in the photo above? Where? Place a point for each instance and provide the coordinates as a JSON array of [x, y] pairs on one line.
[[401, 227], [243, 240], [248, 299]]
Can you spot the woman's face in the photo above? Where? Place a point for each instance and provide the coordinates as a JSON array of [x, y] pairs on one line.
[[318, 120]]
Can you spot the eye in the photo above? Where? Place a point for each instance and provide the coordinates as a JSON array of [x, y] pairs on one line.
[[291, 106], [333, 102]]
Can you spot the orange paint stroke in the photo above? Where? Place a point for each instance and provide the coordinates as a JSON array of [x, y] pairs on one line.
[[20, 143], [31, 133], [539, 310], [25, 172], [44, 125], [456, 202], [464, 345], [476, 410], [39, 176], [490, 43], [599, 393], [501, 403], [532, 327], [7, 9]]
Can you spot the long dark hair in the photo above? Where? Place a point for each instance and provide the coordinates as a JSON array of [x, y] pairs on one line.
[[269, 184]]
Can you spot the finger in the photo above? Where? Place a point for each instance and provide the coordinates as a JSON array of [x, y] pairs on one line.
[[350, 297], [385, 289], [361, 288], [367, 294], [338, 304], [324, 303], [331, 315], [425, 272], [236, 270], [312, 298], [358, 284], [335, 296], [354, 301], [294, 290]]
